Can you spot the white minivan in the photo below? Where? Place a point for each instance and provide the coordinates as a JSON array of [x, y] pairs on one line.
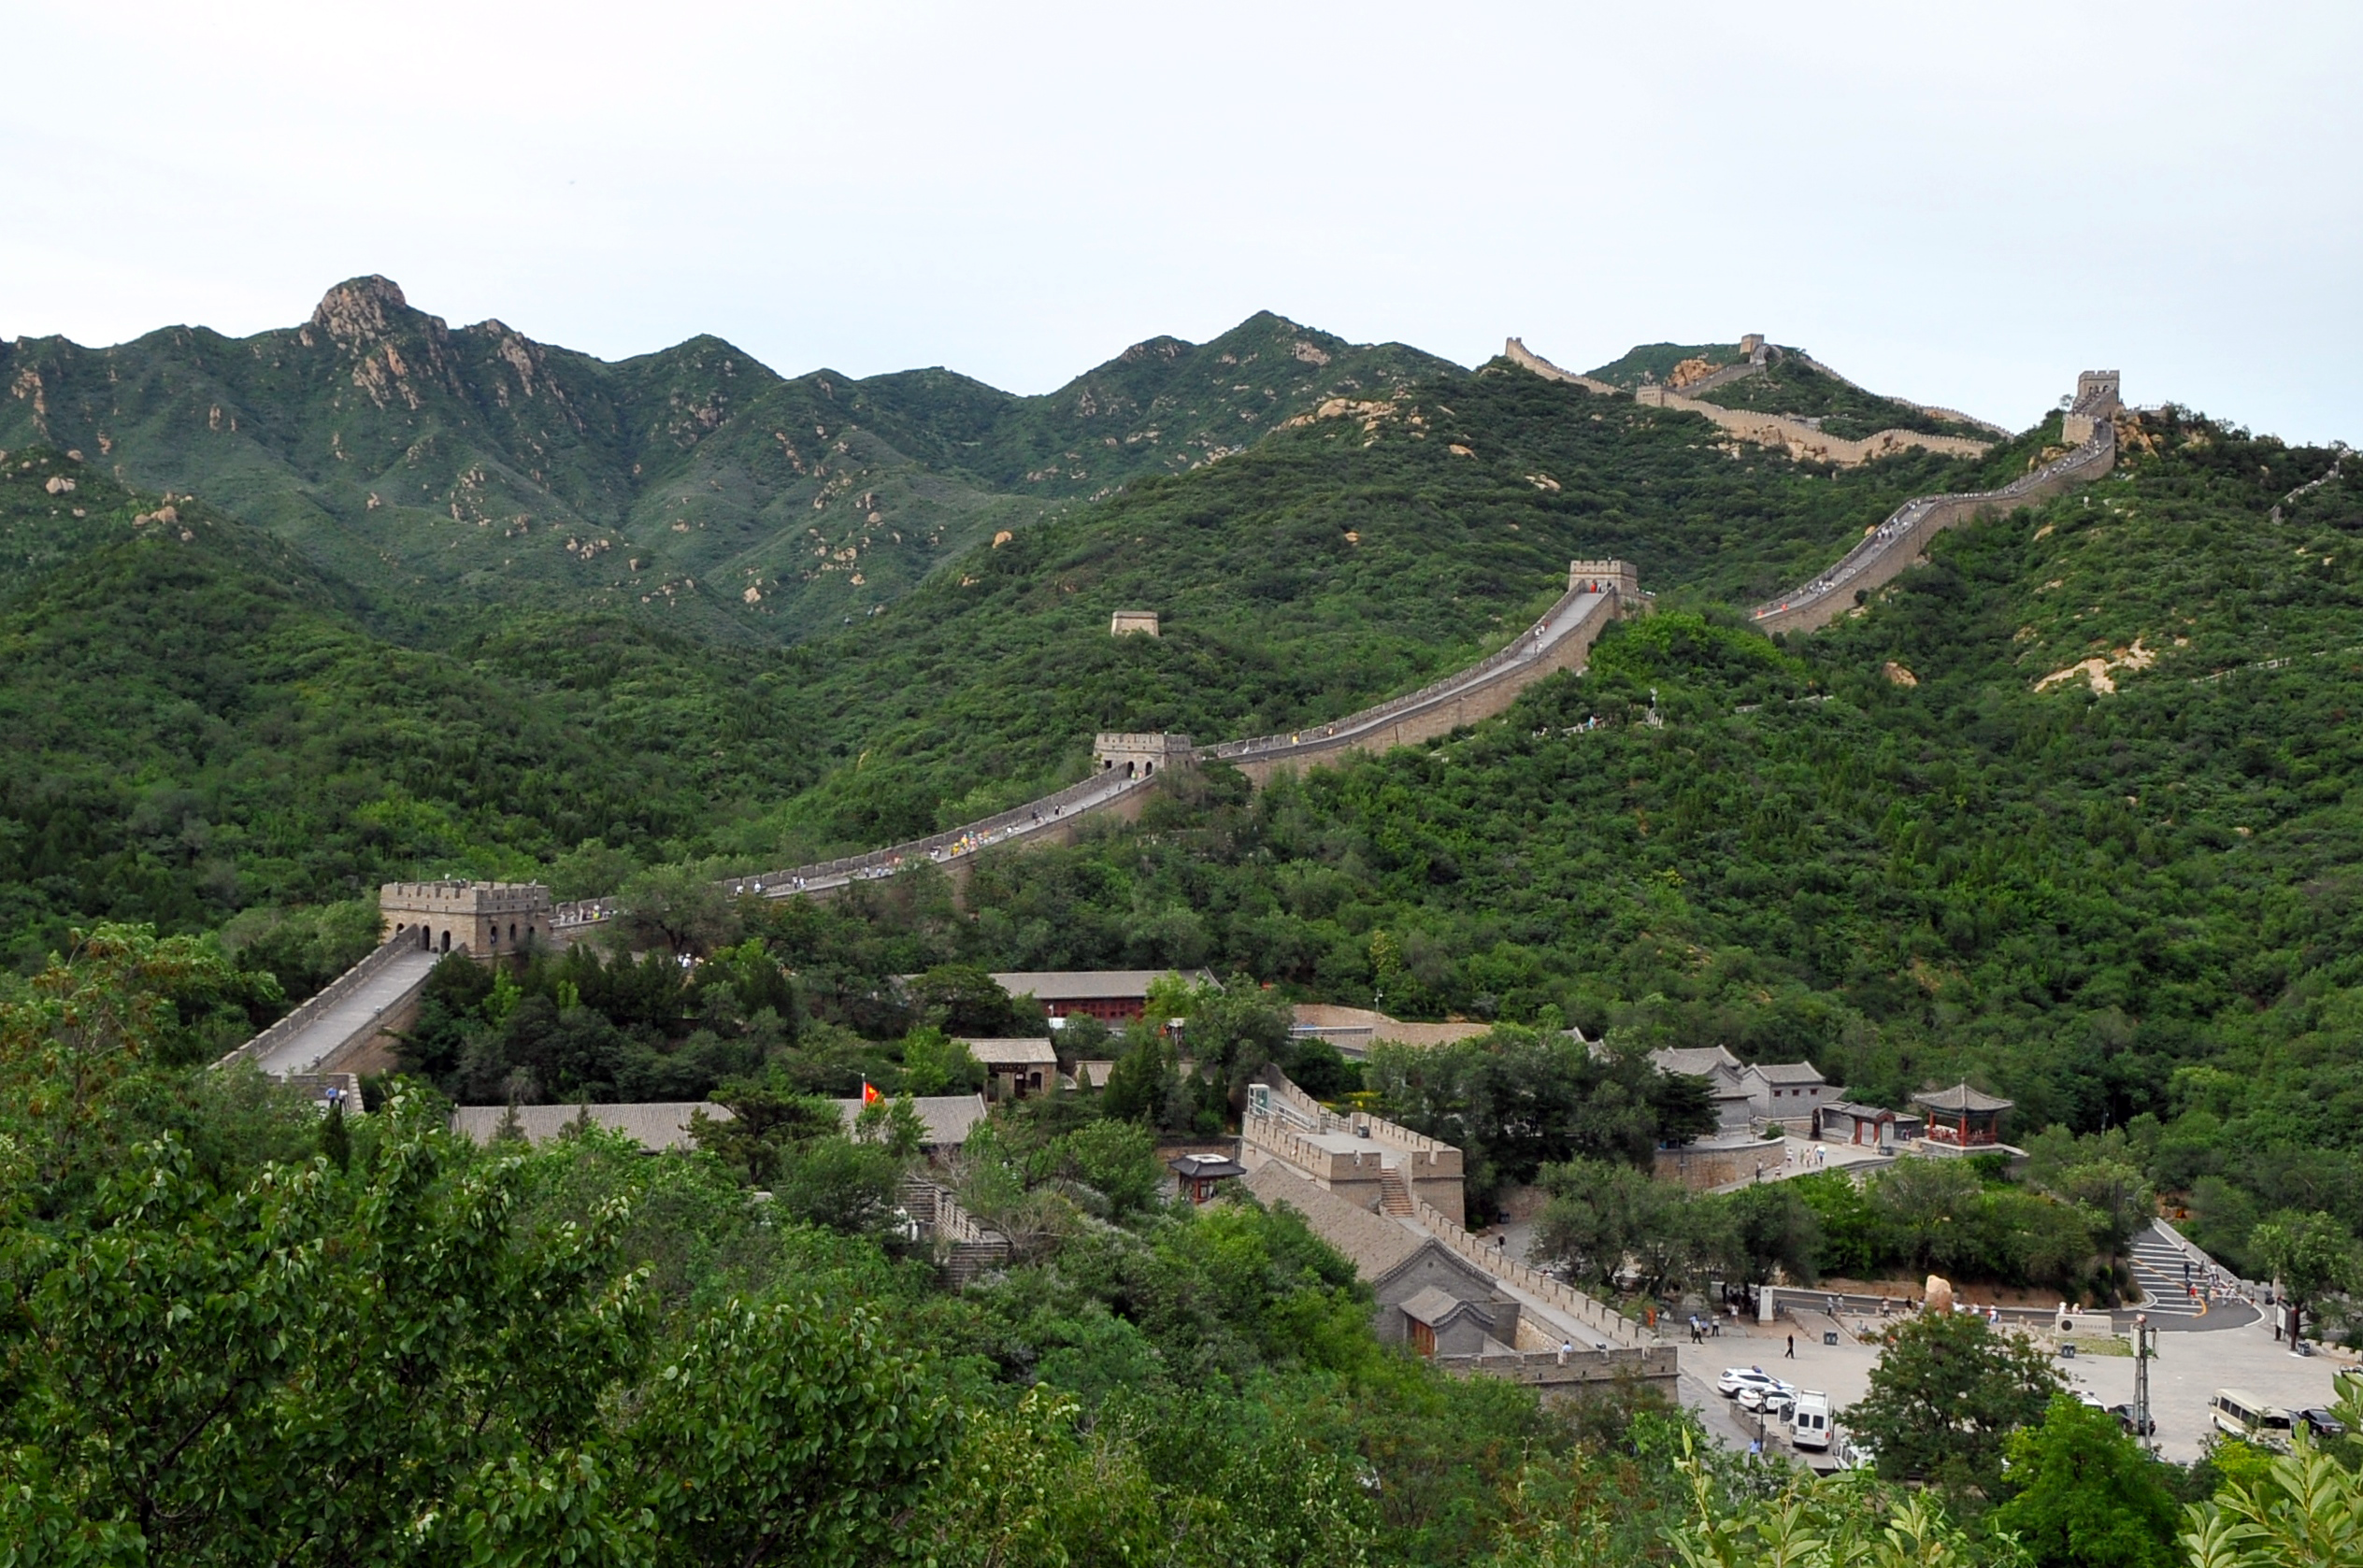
[[1808, 1423], [2238, 1413]]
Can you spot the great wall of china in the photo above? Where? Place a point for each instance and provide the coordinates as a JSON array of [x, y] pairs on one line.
[[350, 1025]]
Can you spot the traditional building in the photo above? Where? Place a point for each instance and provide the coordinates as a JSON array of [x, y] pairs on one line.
[[1734, 1106], [1784, 1092], [1961, 1116], [1400, 1265], [1017, 1068], [1197, 1176], [1110, 996], [1843, 1121], [657, 1126]]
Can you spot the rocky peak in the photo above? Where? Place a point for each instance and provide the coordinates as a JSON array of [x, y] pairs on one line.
[[358, 309]]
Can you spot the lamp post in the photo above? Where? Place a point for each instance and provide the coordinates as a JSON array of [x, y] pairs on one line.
[[2145, 1343]]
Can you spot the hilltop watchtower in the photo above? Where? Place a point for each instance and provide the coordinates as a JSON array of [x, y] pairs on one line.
[[482, 917], [2096, 399]]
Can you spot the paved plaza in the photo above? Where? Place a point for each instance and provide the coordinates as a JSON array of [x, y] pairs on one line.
[[2188, 1369]]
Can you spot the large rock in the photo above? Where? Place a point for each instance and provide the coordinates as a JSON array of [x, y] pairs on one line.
[[1939, 1293]]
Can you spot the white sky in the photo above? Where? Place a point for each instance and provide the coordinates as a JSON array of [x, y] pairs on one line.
[[1961, 204]]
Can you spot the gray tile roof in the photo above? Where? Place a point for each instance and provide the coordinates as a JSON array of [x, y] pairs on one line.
[[1373, 1244], [1432, 1306], [949, 1117], [1698, 1062], [1960, 1097], [1087, 985], [1012, 1053], [657, 1124], [1788, 1072]]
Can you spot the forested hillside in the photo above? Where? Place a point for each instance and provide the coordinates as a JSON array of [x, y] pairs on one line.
[[2070, 810], [216, 722], [439, 467]]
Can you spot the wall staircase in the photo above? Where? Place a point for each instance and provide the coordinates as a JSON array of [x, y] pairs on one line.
[[1395, 1194]]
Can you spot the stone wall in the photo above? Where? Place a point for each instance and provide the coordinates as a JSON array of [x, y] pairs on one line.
[[322, 1001], [1578, 1372], [1519, 354], [1903, 538], [1804, 441], [1467, 698]]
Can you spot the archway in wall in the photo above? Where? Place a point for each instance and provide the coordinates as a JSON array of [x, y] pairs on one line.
[[447, 941]]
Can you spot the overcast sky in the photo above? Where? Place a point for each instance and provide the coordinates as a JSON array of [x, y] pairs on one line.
[[1962, 205]]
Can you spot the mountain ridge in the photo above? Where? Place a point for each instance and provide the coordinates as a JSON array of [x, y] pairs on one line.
[[427, 462]]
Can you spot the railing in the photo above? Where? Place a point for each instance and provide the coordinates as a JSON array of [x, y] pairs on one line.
[[327, 997], [1557, 1293], [1902, 526]]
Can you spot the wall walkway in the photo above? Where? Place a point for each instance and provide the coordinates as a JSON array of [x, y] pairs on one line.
[[374, 996], [1898, 542]]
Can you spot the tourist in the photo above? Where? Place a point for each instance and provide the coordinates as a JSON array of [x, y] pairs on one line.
[[1791, 1350]]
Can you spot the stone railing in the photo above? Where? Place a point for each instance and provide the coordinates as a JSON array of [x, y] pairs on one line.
[[1558, 1293], [320, 1002], [1886, 549]]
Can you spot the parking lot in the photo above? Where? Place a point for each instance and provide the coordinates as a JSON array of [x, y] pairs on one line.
[[2190, 1366]]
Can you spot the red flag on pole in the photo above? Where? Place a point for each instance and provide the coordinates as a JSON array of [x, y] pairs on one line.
[[869, 1093]]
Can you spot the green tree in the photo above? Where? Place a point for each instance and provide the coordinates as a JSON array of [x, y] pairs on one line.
[[2311, 1255], [677, 909], [2301, 1510], [936, 1063], [1945, 1397], [962, 999], [2083, 1494], [1773, 1228]]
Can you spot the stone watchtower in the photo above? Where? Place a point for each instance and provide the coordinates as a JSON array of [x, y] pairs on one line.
[[2096, 399], [1614, 577], [479, 918], [1142, 756]]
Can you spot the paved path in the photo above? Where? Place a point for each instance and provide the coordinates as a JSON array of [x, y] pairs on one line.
[[350, 1015], [2161, 1266]]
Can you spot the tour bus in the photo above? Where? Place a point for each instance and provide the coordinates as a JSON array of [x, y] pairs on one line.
[[2238, 1413], [1809, 1424]]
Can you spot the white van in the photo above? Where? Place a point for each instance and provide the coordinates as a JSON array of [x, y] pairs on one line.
[[2238, 1413], [1808, 1423]]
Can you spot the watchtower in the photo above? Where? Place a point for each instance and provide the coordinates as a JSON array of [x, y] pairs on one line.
[[481, 918], [1614, 577], [1128, 623], [2096, 400], [1142, 756], [2097, 393]]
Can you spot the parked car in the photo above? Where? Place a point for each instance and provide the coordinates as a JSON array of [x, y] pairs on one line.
[[2318, 1422], [1759, 1396], [1857, 1456], [1734, 1379], [2123, 1413]]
